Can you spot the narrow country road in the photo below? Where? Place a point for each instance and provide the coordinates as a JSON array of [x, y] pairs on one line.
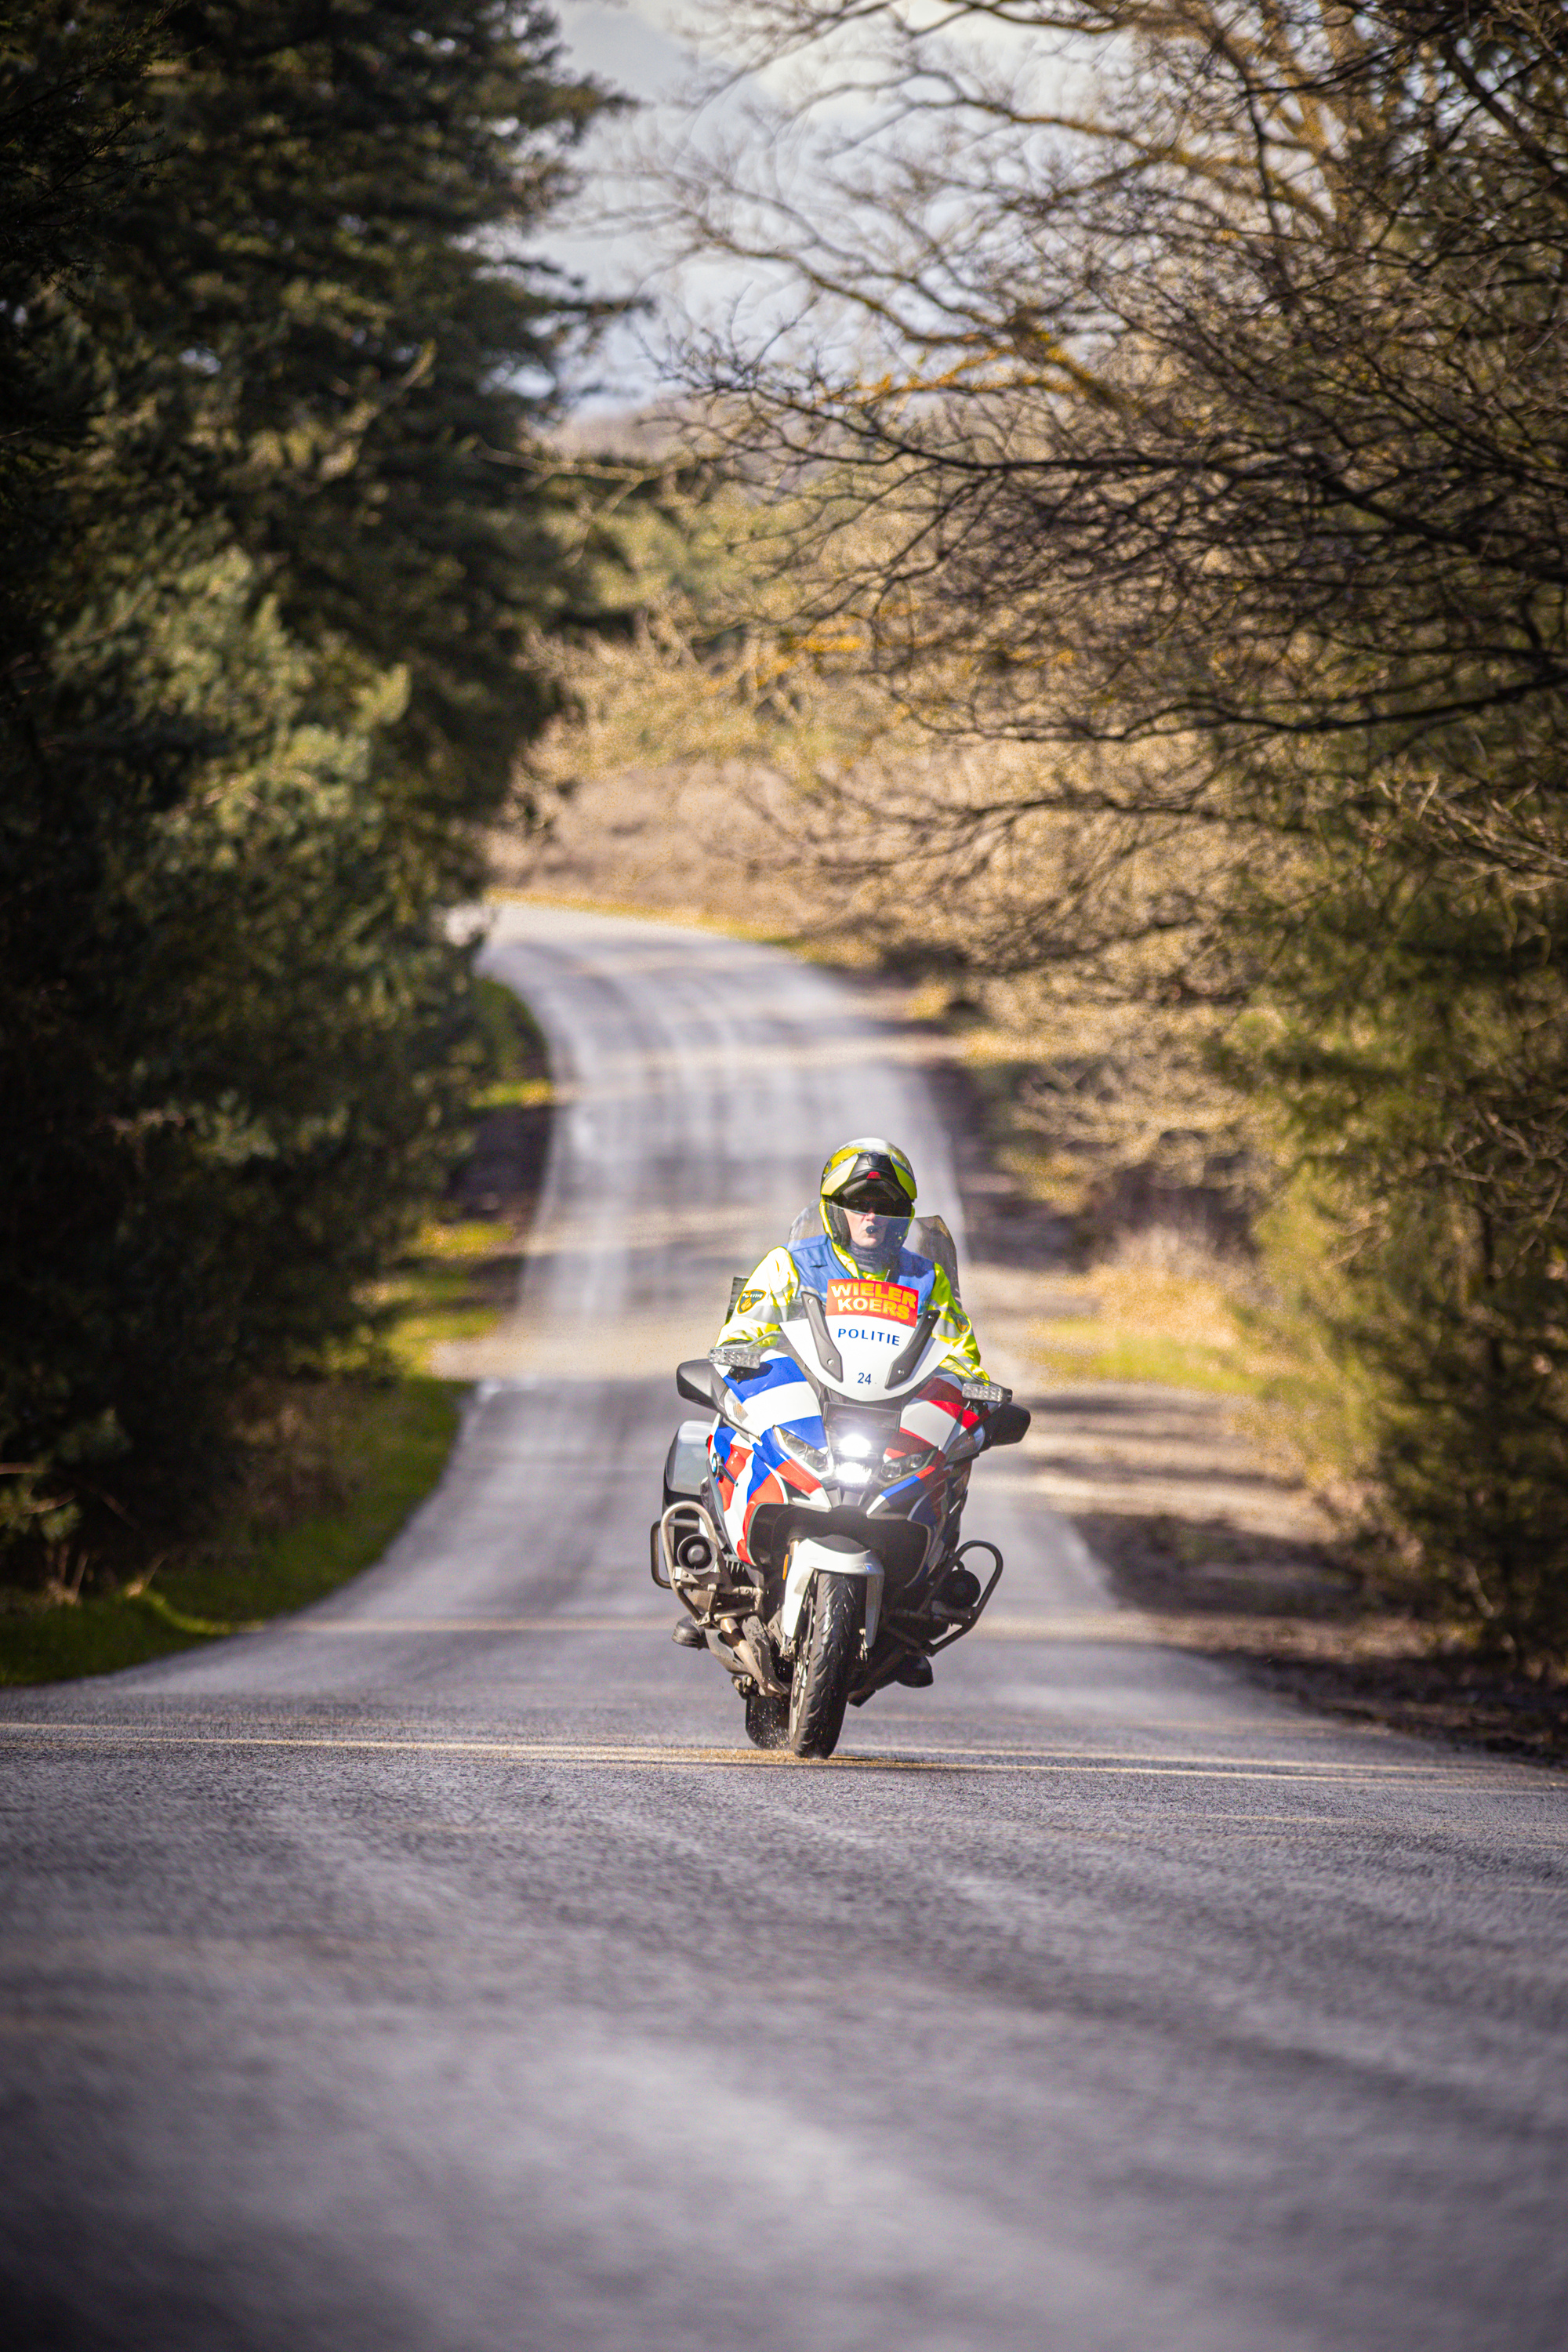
[[436, 1972]]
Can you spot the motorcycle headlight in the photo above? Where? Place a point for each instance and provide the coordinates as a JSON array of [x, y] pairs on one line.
[[811, 1457]]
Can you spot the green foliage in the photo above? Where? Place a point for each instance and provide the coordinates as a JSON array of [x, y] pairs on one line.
[[389, 1443], [238, 1078], [1227, 443], [312, 314], [1417, 1050], [269, 353], [514, 1047]]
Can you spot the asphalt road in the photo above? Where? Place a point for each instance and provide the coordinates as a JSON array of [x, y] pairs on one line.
[[436, 1973]]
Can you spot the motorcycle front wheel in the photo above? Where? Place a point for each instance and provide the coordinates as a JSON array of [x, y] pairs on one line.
[[824, 1665]]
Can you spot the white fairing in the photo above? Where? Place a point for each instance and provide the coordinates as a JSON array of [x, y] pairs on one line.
[[869, 1346], [766, 1407], [812, 1556]]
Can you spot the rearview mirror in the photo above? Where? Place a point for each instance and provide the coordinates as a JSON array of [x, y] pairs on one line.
[[1008, 1425], [697, 1382]]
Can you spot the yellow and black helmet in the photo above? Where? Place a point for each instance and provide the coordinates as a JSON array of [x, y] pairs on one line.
[[869, 1174]]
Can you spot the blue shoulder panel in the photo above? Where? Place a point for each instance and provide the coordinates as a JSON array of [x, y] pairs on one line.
[[817, 1262]]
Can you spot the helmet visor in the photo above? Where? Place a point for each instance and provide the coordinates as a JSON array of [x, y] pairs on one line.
[[870, 1239], [870, 1220], [867, 1194]]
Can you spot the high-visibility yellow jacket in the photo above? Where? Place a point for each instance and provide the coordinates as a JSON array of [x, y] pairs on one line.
[[774, 1287]]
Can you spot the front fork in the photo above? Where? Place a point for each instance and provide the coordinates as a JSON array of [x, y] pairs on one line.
[[813, 1556]]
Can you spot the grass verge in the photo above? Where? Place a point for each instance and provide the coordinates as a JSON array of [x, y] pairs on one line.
[[456, 1283], [1180, 1325], [387, 1443], [335, 1466]]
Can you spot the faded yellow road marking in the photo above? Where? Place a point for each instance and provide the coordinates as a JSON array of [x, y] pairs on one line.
[[1280, 1772], [1085, 1628], [1100, 1628], [477, 1625]]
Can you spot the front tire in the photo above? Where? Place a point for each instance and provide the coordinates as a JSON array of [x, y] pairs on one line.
[[824, 1664]]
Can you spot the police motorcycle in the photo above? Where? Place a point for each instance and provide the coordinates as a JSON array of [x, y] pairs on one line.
[[810, 1526]]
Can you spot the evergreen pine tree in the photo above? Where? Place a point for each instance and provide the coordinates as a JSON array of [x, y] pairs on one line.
[[270, 350]]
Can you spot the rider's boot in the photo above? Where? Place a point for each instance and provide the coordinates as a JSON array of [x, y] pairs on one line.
[[688, 1635], [915, 1673]]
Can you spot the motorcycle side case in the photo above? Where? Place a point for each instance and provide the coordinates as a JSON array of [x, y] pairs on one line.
[[686, 1464]]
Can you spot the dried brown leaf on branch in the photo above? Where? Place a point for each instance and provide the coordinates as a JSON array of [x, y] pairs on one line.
[[1167, 404]]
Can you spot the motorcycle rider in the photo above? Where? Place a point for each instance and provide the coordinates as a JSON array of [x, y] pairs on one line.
[[866, 1202], [867, 1199]]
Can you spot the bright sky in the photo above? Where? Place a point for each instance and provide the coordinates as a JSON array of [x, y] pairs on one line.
[[634, 47]]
